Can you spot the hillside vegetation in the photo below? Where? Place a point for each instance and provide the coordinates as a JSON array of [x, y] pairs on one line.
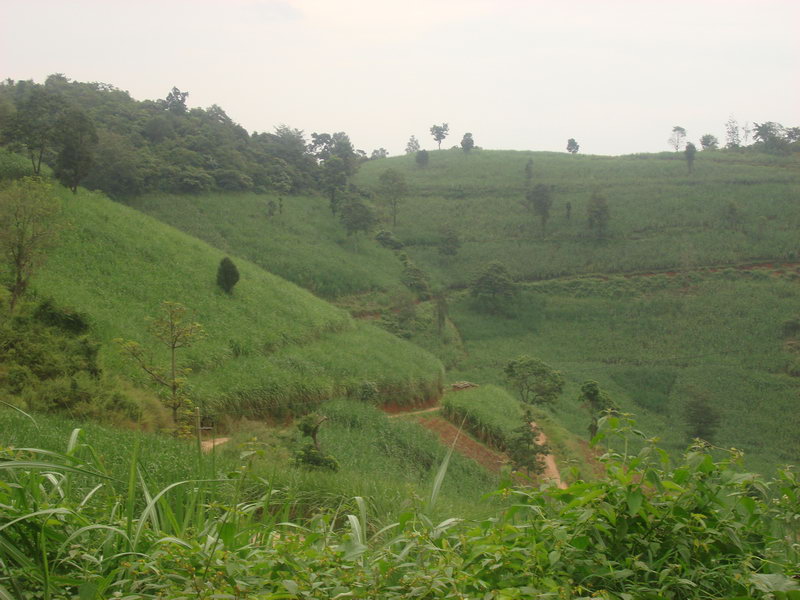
[[271, 347]]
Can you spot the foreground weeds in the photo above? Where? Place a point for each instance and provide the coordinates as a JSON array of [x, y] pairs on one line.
[[650, 529]]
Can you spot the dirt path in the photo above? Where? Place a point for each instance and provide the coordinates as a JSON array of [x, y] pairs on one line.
[[465, 445], [416, 412], [551, 471], [207, 445]]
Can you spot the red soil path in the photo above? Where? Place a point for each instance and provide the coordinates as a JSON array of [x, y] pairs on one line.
[[465, 445]]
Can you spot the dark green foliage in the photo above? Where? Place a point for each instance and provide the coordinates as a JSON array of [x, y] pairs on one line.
[[34, 125], [356, 216], [162, 146], [77, 139], [387, 239], [702, 419], [422, 158], [392, 188], [467, 143], [227, 275], [415, 278], [689, 154], [791, 327], [538, 200], [572, 146], [492, 287], [524, 449], [449, 242], [598, 215], [597, 403], [709, 142], [534, 381], [310, 454], [66, 319]]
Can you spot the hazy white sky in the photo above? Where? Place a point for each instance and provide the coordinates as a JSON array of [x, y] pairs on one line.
[[615, 75]]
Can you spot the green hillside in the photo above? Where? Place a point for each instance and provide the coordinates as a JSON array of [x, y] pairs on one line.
[[654, 343], [271, 349], [660, 216]]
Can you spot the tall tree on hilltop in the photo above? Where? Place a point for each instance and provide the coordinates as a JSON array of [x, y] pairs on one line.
[[439, 132], [467, 143], [572, 146], [677, 137], [732, 139], [709, 142], [175, 101], [412, 147]]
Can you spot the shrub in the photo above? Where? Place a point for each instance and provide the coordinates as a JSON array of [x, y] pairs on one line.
[[227, 275]]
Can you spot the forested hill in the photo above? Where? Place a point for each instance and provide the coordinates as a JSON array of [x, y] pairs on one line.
[[161, 145]]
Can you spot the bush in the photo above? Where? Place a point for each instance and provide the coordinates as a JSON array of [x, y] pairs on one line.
[[227, 275]]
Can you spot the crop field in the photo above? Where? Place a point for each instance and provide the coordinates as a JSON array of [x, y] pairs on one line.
[[267, 338], [731, 209], [655, 343]]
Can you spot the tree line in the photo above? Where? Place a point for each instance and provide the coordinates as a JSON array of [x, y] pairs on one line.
[[96, 135]]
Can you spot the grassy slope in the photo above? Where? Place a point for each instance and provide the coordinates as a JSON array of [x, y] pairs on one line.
[[305, 244], [267, 342], [661, 218], [654, 343]]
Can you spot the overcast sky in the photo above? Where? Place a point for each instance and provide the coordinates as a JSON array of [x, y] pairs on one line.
[[525, 75]]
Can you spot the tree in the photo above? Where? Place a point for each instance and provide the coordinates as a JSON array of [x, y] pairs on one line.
[[29, 224], [34, 125], [467, 143], [534, 381], [379, 153], [176, 101], [598, 215], [597, 402], [174, 331], [492, 286], [412, 147], [709, 142], [334, 180], [539, 199], [393, 188], [529, 171], [311, 454], [439, 132], [227, 275], [356, 216], [572, 146], [732, 139], [422, 158], [524, 449], [677, 137], [702, 419], [449, 242], [78, 140], [689, 153]]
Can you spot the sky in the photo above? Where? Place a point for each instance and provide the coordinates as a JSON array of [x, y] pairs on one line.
[[517, 74]]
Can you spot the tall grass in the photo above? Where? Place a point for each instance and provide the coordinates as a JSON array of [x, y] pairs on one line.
[[692, 530], [655, 343], [272, 348], [489, 412]]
